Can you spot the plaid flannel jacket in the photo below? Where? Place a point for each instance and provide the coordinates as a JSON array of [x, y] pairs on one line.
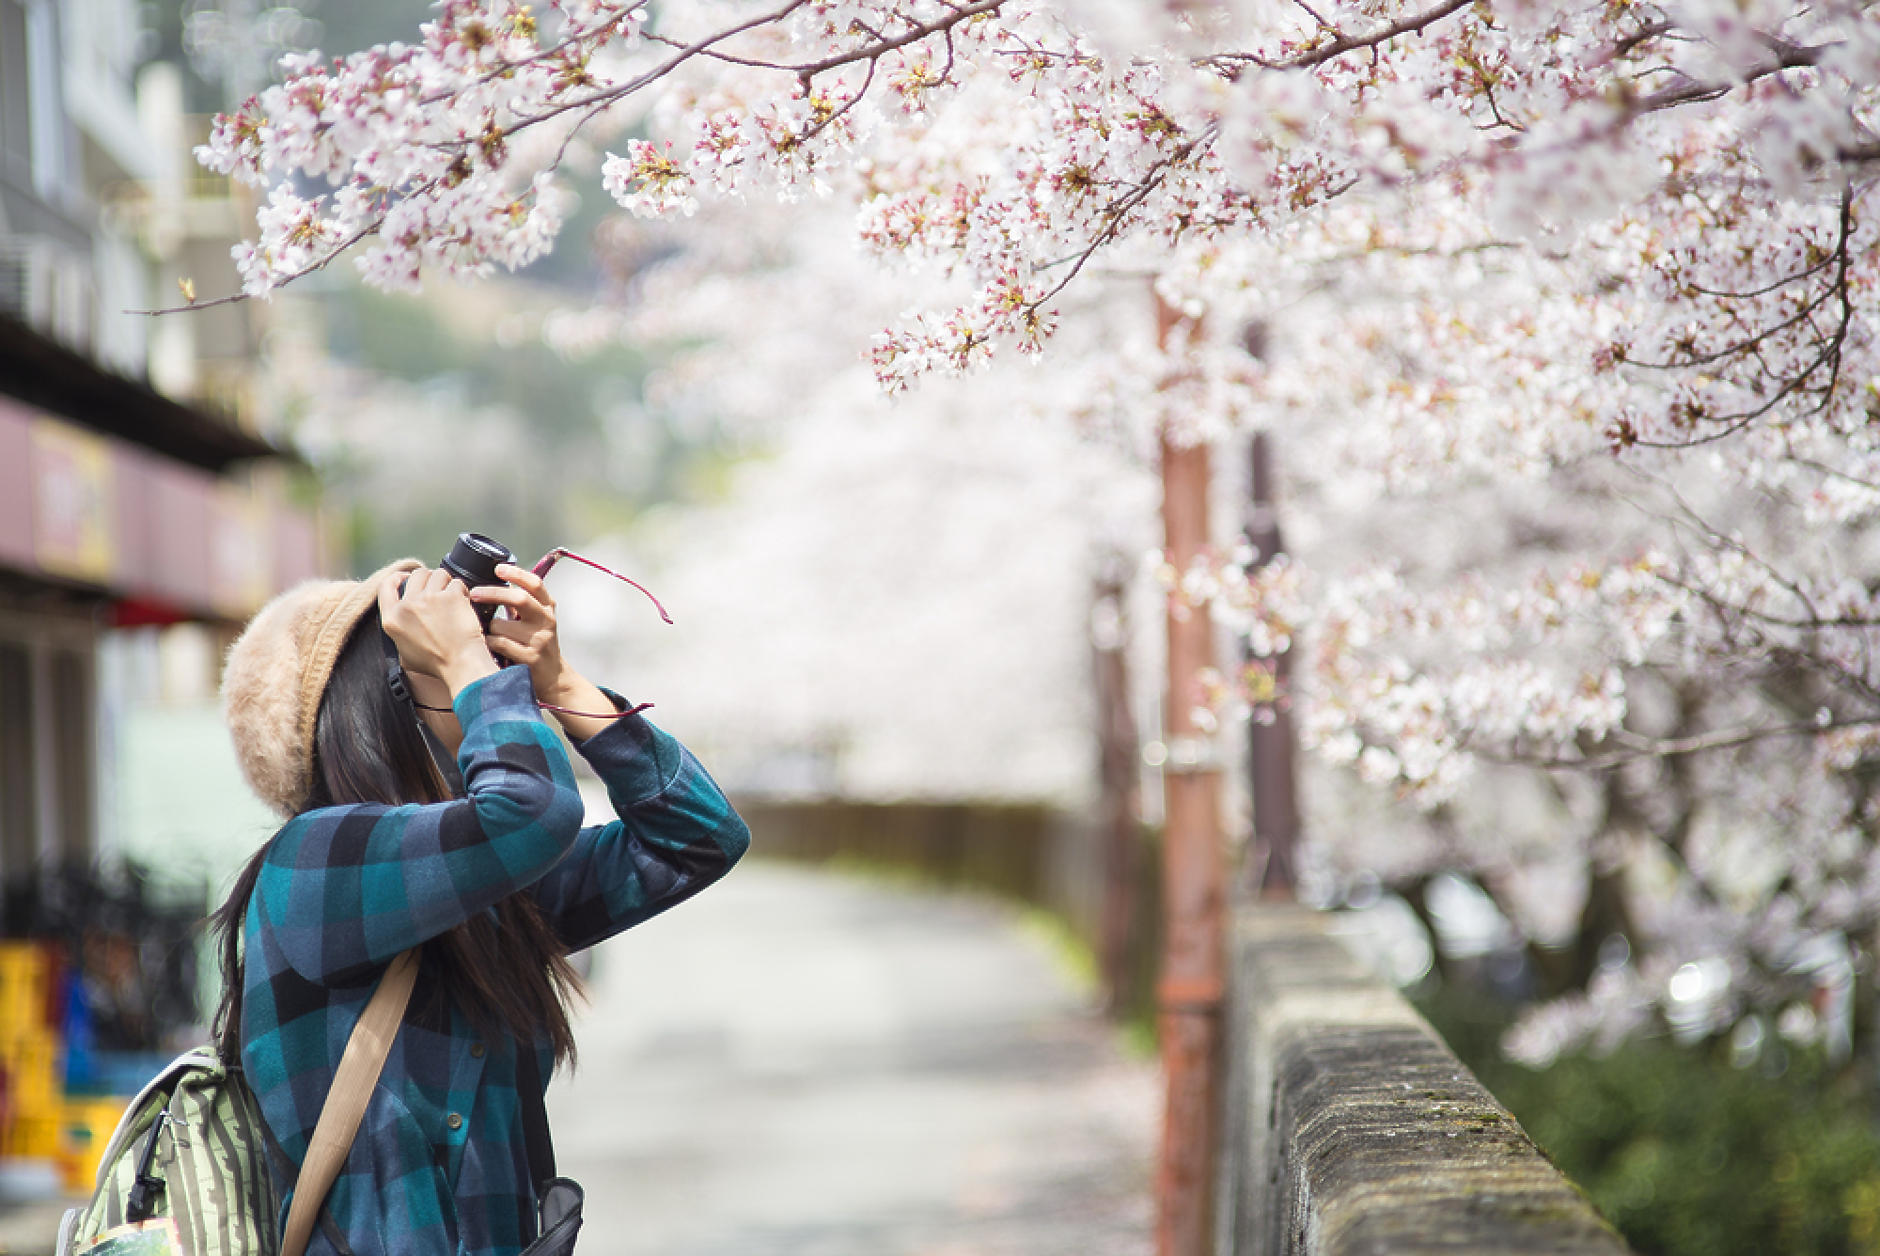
[[439, 1164]]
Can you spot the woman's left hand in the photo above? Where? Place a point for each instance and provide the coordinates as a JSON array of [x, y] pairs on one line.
[[529, 637], [528, 634]]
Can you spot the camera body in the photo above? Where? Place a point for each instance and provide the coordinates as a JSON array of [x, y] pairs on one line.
[[473, 560]]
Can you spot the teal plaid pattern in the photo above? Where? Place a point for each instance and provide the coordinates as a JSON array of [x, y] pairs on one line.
[[439, 1164]]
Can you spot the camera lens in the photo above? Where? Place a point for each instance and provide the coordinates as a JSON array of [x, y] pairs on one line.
[[473, 560], [474, 557]]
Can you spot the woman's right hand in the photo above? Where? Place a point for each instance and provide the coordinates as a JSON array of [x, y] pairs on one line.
[[434, 626]]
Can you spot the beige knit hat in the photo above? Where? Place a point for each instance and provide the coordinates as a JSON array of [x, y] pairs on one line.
[[277, 672]]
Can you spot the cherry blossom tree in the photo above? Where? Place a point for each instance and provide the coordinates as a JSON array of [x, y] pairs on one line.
[[1566, 311], [887, 599]]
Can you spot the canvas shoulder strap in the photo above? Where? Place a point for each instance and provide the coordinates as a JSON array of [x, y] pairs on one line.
[[345, 1106]]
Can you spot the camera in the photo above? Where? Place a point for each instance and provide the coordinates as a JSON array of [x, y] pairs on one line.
[[473, 560]]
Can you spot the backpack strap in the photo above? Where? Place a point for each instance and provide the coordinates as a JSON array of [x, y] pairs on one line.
[[345, 1106], [541, 1148]]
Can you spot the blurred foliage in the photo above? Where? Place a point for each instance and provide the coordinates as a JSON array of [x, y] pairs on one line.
[[547, 450], [402, 337], [350, 25], [571, 454], [1687, 1153]]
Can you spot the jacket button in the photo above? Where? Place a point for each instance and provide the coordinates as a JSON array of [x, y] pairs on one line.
[[454, 1121], [476, 1050]]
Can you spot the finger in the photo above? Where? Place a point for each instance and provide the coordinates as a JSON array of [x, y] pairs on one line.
[[512, 630], [503, 647], [525, 579], [509, 612], [424, 580], [391, 596], [517, 600]]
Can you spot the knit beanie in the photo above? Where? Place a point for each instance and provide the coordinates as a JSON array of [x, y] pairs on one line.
[[276, 675]]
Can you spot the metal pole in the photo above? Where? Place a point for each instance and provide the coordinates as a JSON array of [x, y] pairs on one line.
[[1188, 995], [1120, 774], [1272, 864]]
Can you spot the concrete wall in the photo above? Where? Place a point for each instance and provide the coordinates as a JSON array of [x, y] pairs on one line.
[[1009, 849], [1350, 1128]]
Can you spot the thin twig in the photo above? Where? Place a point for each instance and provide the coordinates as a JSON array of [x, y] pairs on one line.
[[1341, 43], [1674, 748], [370, 228], [1118, 210], [1788, 57]]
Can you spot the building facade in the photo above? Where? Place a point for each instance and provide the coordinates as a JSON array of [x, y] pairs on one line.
[[135, 488]]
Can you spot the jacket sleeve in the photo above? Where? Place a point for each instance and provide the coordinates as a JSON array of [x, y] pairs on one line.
[[675, 834], [344, 889]]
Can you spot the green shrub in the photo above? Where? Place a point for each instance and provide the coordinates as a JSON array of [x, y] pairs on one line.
[[1689, 1155]]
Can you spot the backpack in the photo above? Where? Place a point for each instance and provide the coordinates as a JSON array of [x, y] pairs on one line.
[[190, 1147]]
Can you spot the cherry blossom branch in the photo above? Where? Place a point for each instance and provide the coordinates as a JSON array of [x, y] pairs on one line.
[[1764, 291], [1740, 347], [1641, 748], [836, 115], [322, 263], [1834, 473], [1114, 215], [1838, 673], [591, 104], [688, 52], [1341, 43], [874, 52], [1829, 355], [1735, 612], [505, 67], [1718, 540], [883, 44], [1642, 36], [1788, 57]]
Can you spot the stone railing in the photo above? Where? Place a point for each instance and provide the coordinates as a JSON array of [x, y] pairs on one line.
[[1350, 1128]]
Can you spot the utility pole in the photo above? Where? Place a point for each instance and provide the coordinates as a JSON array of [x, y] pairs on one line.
[[1272, 865], [1188, 994]]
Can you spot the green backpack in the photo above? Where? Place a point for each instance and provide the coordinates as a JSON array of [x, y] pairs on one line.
[[191, 1148]]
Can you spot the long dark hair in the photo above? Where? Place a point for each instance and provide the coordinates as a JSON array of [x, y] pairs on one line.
[[509, 975]]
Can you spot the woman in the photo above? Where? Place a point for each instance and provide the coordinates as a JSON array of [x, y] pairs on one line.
[[496, 886]]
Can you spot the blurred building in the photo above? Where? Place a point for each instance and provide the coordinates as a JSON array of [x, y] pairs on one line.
[[137, 490]]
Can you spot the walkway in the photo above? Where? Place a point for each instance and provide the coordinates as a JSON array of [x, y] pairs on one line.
[[801, 1064]]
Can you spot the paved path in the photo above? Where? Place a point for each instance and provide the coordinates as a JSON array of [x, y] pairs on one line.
[[805, 1064]]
